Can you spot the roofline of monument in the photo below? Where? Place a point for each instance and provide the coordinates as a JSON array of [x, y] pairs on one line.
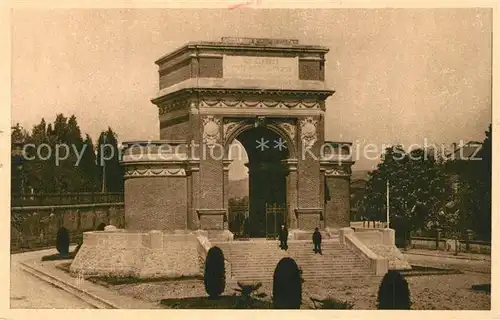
[[243, 47], [183, 91]]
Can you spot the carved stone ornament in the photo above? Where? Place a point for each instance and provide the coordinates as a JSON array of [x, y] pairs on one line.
[[288, 128], [154, 172], [211, 130], [335, 172], [343, 170], [173, 106], [272, 104], [230, 125], [308, 132]]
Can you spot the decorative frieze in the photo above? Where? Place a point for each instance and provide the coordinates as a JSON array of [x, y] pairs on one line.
[[335, 169], [308, 132], [174, 105], [273, 104], [153, 172]]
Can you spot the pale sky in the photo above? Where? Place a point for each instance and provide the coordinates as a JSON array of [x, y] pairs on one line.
[[400, 75]]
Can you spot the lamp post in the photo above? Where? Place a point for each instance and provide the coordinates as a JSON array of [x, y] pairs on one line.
[[387, 202]]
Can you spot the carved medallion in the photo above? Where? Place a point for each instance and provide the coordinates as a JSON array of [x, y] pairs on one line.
[[211, 130], [308, 132]]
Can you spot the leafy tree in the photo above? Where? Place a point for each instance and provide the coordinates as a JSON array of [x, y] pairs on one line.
[[418, 186], [68, 175], [107, 148]]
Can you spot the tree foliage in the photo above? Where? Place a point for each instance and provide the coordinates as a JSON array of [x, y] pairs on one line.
[[287, 285], [418, 187], [214, 277], [421, 191], [393, 293], [39, 171]]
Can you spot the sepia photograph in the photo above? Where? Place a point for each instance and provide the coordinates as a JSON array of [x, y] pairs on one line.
[[251, 158]]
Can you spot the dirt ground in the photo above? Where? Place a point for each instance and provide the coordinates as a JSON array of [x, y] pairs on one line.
[[433, 292]]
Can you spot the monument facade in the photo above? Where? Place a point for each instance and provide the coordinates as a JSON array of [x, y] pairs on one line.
[[269, 94]]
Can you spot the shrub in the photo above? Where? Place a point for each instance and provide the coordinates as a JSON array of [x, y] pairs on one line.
[[215, 273], [75, 252], [393, 292], [287, 285], [101, 226], [248, 294], [62, 241]]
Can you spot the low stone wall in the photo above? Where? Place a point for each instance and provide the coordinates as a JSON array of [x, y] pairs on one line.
[[36, 226], [143, 255], [203, 246], [372, 237], [379, 265], [449, 245], [382, 243]]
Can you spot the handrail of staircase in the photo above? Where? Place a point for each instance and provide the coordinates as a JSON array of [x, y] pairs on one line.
[[379, 265], [203, 246]]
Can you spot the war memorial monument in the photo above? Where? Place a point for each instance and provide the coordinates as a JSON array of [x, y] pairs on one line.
[[268, 94]]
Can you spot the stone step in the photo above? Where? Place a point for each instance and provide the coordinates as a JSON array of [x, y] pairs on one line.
[[257, 260]]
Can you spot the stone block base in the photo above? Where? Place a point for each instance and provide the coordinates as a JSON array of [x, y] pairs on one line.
[[123, 253], [220, 235]]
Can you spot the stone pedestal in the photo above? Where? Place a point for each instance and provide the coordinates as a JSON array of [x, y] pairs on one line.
[[144, 255]]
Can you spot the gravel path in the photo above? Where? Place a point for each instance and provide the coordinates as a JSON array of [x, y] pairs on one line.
[[28, 292]]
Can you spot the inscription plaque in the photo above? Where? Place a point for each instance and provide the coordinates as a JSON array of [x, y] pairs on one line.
[[249, 67]]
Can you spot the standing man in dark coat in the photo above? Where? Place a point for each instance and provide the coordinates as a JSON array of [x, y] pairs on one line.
[[317, 241], [283, 237]]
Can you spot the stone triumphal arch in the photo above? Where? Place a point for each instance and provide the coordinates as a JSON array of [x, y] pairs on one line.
[[269, 94]]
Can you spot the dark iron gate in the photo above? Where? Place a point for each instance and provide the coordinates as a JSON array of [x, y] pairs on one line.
[[275, 217]]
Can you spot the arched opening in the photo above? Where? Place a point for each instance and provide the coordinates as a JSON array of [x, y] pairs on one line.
[[264, 152]]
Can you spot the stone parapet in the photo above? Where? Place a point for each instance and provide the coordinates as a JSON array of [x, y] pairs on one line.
[[379, 265], [203, 246], [136, 254]]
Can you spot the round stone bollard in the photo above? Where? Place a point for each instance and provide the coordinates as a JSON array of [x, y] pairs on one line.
[[110, 228]]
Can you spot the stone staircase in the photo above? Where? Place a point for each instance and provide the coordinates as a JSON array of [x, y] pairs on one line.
[[255, 260]]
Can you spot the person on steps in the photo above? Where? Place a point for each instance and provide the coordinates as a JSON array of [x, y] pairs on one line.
[[317, 241], [283, 236]]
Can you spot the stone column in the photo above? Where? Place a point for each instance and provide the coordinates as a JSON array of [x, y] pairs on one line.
[[291, 192], [226, 163], [193, 194]]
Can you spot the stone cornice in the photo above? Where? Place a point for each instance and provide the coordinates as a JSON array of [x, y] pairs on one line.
[[242, 47], [239, 87]]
